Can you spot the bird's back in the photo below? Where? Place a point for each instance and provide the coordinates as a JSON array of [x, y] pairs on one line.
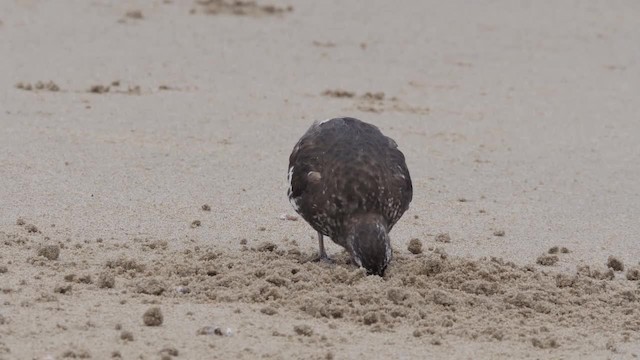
[[344, 166]]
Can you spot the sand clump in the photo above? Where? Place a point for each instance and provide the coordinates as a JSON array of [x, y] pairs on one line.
[[168, 353], [268, 310], [633, 273], [375, 102], [31, 228], [557, 249], [615, 264], [63, 289], [338, 93], [547, 260], [596, 272], [443, 238], [106, 281], [324, 44], [415, 246], [152, 317], [134, 14], [214, 330], [43, 86], [82, 279], [240, 8], [126, 335], [151, 286], [545, 343], [304, 330], [99, 89], [267, 246], [125, 266], [51, 252], [373, 96], [76, 354]]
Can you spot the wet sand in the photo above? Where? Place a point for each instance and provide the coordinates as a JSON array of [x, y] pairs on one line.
[[120, 120]]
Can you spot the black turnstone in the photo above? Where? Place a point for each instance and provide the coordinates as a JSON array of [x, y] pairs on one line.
[[351, 183]]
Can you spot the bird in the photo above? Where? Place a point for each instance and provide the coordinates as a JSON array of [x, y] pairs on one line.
[[351, 183]]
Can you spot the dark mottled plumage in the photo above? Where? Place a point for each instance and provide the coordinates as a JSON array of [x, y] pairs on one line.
[[351, 183]]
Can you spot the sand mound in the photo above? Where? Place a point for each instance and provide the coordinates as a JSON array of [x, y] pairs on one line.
[[487, 299], [427, 296]]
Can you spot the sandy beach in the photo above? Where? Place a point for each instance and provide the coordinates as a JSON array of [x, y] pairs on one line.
[[143, 162]]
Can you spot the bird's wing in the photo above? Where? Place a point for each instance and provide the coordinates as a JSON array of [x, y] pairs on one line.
[[400, 186]]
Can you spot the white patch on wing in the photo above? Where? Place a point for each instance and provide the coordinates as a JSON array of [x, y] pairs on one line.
[[400, 174], [388, 251], [324, 121], [289, 177], [387, 255], [314, 176], [294, 203], [292, 200], [357, 261]]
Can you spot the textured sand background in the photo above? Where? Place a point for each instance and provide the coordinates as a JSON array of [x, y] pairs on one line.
[[519, 121]]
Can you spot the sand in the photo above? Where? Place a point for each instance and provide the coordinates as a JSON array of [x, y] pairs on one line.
[[119, 120]]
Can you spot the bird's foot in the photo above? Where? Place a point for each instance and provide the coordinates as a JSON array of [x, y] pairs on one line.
[[322, 258]]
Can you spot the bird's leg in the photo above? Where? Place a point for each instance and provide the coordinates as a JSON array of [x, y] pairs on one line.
[[322, 254]]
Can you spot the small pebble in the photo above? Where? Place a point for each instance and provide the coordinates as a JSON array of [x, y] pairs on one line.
[[288, 217], [183, 290]]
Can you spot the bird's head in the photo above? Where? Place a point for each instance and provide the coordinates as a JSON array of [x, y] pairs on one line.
[[368, 244]]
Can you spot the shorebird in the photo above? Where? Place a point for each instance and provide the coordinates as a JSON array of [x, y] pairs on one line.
[[350, 183]]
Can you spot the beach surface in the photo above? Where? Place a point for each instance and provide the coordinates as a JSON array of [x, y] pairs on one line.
[[143, 160]]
